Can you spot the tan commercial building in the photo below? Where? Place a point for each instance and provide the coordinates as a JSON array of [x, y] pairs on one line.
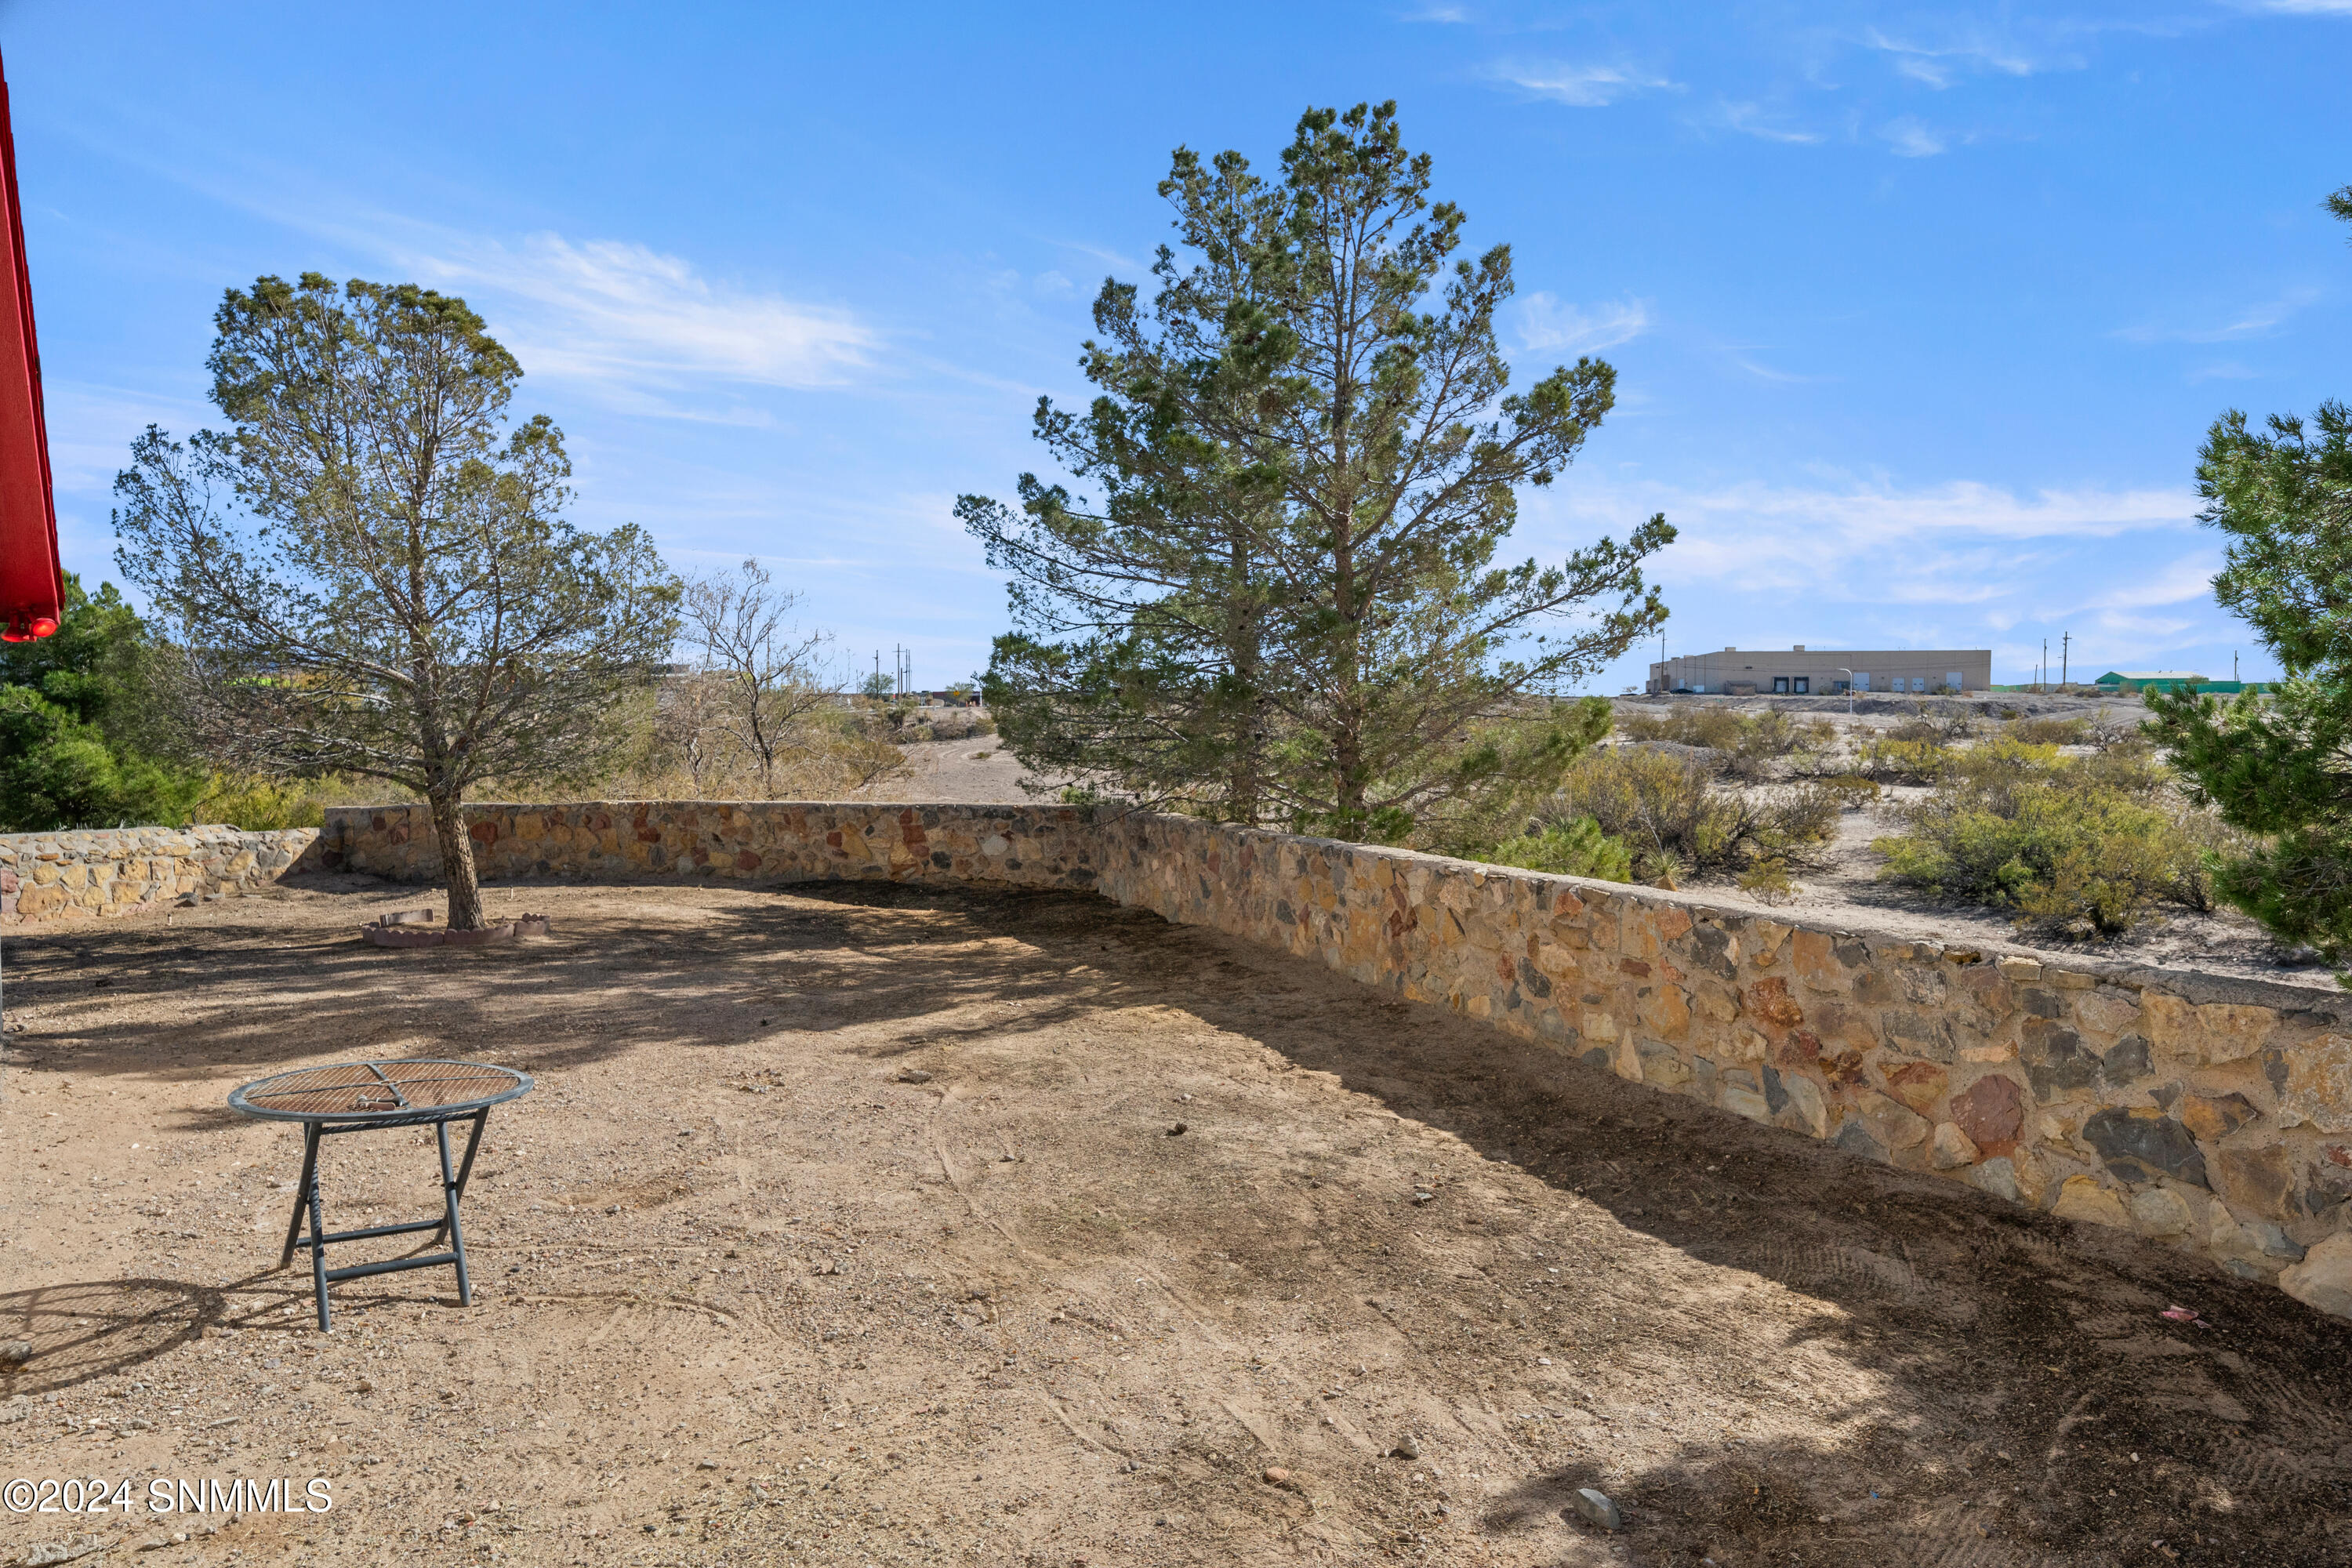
[[1801, 672]]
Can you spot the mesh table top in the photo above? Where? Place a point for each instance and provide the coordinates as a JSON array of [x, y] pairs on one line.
[[385, 1091]]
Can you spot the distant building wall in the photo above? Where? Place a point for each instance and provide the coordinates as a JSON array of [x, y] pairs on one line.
[[1799, 671]]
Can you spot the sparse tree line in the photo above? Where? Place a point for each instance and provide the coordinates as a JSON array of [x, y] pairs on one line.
[[367, 585], [1266, 590]]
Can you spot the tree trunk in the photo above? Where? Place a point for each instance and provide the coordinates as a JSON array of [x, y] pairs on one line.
[[458, 864]]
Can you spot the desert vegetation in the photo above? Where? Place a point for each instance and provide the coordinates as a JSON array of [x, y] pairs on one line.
[[2074, 827], [2077, 846]]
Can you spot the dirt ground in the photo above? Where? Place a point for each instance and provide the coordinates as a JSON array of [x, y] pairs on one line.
[[1141, 1272], [975, 771]]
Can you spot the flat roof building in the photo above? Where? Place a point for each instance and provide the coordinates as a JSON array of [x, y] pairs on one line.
[[1799, 671]]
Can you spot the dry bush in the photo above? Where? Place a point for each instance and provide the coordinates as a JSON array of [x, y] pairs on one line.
[[1752, 745], [2093, 847], [1769, 879], [1897, 762], [2073, 731], [1675, 820]]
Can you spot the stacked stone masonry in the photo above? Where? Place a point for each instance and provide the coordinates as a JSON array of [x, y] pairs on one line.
[[2207, 1113], [108, 871]]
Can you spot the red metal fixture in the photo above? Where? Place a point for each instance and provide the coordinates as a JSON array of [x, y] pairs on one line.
[[32, 591]]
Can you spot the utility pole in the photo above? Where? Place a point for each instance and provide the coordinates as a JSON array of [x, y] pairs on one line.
[[2063, 642]]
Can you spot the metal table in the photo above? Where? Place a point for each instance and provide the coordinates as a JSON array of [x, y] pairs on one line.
[[368, 1097]]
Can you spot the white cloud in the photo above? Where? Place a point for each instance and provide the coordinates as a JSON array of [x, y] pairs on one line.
[[1935, 65], [1748, 120], [2229, 370], [2305, 8], [1583, 86], [1547, 326], [1453, 13], [2257, 320], [91, 427], [610, 311], [1963, 542], [1765, 373], [2182, 580], [1910, 139], [1051, 284]]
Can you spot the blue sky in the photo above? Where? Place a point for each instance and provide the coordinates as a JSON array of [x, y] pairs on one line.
[[1919, 313]]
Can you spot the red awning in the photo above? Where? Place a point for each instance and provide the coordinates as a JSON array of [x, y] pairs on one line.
[[30, 586]]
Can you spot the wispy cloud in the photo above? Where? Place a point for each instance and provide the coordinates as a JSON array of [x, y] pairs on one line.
[[2229, 370], [1763, 372], [1749, 120], [1961, 542], [1549, 326], [1449, 14], [2179, 581], [1583, 86], [2303, 7], [2257, 321], [1936, 65], [1907, 137], [610, 311]]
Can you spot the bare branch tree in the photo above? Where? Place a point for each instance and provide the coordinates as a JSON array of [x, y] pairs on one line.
[[773, 672]]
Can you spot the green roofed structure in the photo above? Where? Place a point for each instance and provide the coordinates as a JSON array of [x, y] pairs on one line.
[[2150, 680]]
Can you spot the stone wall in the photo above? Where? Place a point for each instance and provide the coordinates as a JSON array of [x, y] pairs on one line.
[[734, 841], [124, 871], [2207, 1113]]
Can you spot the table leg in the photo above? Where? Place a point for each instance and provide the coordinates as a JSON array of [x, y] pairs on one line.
[[449, 1200], [319, 1253], [302, 1192], [466, 1166]]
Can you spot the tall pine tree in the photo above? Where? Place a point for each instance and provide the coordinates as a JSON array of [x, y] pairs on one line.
[[1285, 607]]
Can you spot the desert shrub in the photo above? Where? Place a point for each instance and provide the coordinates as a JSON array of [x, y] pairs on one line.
[[2095, 847], [1750, 743], [1924, 726], [1853, 791], [1719, 729], [2073, 732], [1671, 817], [259, 805], [1571, 847], [1769, 880], [1902, 762]]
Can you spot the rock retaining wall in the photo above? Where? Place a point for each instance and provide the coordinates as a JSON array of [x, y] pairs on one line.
[[122, 870], [2207, 1113]]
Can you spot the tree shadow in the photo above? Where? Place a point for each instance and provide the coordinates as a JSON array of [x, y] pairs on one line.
[[820, 957], [2008, 1390], [2004, 1392]]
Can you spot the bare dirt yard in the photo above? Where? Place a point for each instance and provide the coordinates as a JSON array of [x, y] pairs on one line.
[[885, 1225]]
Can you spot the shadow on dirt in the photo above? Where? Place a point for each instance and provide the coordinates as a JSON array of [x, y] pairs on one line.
[[87, 1330], [2031, 1405], [2025, 1401]]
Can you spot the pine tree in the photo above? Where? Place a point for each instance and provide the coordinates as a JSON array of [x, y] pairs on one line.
[[1286, 606]]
